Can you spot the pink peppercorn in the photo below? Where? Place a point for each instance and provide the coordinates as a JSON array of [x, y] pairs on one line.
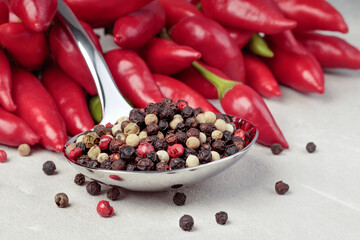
[[115, 156], [240, 133], [104, 142], [104, 209], [144, 148], [182, 105], [3, 156], [109, 125], [75, 153], [175, 150]]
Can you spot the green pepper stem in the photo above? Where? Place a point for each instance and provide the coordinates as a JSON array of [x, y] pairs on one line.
[[259, 46], [199, 6], [222, 85], [164, 34]]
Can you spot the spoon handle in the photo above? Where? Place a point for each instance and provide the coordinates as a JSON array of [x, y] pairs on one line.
[[113, 105]]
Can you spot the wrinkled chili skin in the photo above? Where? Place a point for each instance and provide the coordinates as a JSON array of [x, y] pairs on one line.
[[313, 15], [100, 13], [15, 131], [5, 83], [37, 15], [136, 29], [244, 102], [36, 106], [213, 42], [69, 58], [70, 99], [31, 55], [133, 77], [330, 51], [176, 90], [254, 16]]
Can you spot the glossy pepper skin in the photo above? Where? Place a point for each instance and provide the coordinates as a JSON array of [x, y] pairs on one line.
[[4, 13], [241, 38], [69, 57], [5, 83], [250, 15], [176, 90], [260, 77], [244, 102], [137, 28], [15, 131], [27, 47], [213, 42], [37, 15], [69, 98], [133, 77], [330, 51], [37, 108], [287, 41], [300, 72], [196, 81], [313, 15], [100, 13], [166, 57], [177, 10]]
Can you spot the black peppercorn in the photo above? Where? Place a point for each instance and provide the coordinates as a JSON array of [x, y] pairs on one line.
[[145, 164], [171, 139], [197, 111], [106, 164], [227, 137], [127, 153], [177, 163], [191, 122], [181, 137], [221, 217], [160, 144], [93, 188], [207, 128], [152, 129], [310, 147], [49, 167], [220, 116], [115, 145], [205, 146], [113, 193], [179, 199], [163, 125], [231, 149], [186, 223], [180, 127], [93, 164], [79, 179], [161, 166], [187, 112], [204, 156], [131, 167], [61, 200], [148, 139], [82, 146], [189, 151], [153, 157], [83, 160], [281, 187], [152, 108], [118, 165], [276, 148], [219, 146], [138, 118], [100, 130], [123, 125], [166, 112], [193, 132]]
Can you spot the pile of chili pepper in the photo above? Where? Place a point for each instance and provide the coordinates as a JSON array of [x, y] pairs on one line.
[[236, 50]]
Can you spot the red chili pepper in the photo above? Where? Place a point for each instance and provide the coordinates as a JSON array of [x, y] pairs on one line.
[[28, 48], [313, 15], [241, 38], [260, 78], [196, 81], [15, 131], [213, 42], [37, 15], [300, 72], [250, 15], [37, 108], [133, 77], [137, 28], [177, 10], [69, 98], [331, 51], [242, 101], [99, 13], [4, 13], [69, 57], [166, 57], [5, 83], [176, 90], [287, 42]]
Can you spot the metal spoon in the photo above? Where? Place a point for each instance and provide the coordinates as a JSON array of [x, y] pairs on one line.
[[113, 107]]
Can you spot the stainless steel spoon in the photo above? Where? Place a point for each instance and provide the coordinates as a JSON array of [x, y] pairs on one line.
[[113, 107]]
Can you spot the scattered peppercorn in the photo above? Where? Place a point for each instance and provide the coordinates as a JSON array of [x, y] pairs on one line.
[[186, 222], [79, 179], [104, 209], [49, 167], [310, 147], [93, 188], [113, 193], [3, 156], [24, 150], [276, 148], [221, 217], [61, 200], [281, 187], [179, 199]]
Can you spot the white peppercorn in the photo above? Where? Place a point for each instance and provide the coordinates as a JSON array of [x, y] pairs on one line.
[[90, 139], [220, 125], [94, 152], [151, 118], [143, 134], [193, 142], [163, 156], [24, 149], [175, 122], [202, 137], [210, 117], [115, 128], [201, 118], [122, 119], [229, 128], [121, 136], [216, 135], [132, 128], [179, 117], [102, 157], [70, 147], [132, 140], [160, 135], [79, 139], [192, 161], [215, 156]]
